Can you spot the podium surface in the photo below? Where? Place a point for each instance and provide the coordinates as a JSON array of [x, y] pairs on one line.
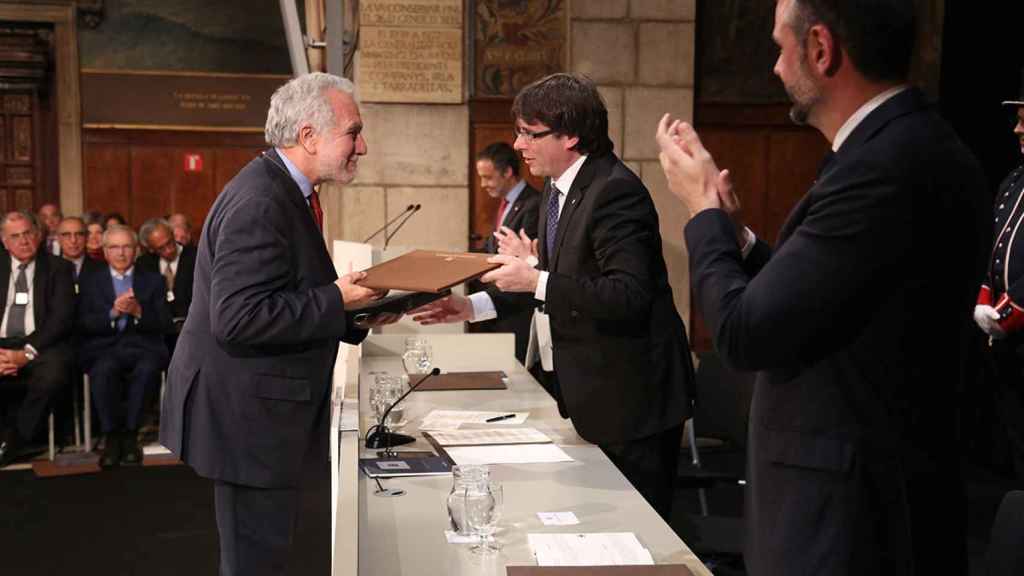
[[405, 535]]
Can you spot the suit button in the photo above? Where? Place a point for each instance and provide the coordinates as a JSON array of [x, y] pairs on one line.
[[574, 314]]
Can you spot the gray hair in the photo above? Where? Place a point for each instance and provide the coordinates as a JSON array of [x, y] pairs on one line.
[[114, 229], [302, 101], [152, 224], [16, 215]]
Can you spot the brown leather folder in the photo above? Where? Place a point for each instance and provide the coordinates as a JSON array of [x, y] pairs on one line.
[[427, 271], [656, 570], [466, 381]]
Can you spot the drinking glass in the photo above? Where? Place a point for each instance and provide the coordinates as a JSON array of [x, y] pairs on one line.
[[384, 392], [417, 358], [483, 510]]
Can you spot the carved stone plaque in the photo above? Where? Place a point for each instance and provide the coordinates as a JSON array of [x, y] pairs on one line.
[[410, 51]]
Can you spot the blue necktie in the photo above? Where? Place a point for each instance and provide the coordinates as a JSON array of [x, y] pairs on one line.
[[552, 227]]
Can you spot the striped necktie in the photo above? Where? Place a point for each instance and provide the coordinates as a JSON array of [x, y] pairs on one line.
[[552, 224]]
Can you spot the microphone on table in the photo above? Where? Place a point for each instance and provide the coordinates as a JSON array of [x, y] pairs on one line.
[[380, 436], [388, 237], [408, 209]]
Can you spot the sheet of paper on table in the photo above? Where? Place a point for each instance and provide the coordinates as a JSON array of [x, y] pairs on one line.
[[595, 549], [453, 419], [508, 454], [489, 436]]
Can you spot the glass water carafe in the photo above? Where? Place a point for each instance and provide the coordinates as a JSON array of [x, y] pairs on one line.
[[463, 477]]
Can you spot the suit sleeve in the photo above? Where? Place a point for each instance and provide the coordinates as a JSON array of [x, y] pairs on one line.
[[60, 315], [810, 298], [252, 302], [623, 241], [93, 313], [156, 314]]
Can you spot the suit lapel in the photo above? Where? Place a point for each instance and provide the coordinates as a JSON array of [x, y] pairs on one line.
[[39, 289], [5, 275], [542, 227], [572, 201], [294, 195]]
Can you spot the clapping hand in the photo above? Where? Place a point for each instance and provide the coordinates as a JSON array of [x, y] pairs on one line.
[[512, 244]]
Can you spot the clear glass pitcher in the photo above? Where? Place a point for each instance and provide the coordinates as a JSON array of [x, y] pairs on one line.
[[464, 477]]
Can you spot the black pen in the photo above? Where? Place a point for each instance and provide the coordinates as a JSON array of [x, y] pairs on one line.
[[500, 418]]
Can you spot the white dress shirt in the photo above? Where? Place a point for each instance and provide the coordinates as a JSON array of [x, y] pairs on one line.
[[30, 274]]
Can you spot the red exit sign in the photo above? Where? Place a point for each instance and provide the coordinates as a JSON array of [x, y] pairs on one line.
[[193, 163]]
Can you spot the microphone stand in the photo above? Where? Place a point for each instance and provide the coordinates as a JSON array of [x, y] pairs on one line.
[[408, 209], [380, 436], [388, 237]]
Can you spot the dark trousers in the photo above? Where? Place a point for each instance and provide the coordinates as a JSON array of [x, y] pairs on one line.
[[256, 527], [37, 384], [649, 463], [1008, 358], [276, 531], [129, 371]]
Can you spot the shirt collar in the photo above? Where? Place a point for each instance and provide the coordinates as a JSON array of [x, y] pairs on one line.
[[304, 184], [28, 265], [857, 117], [514, 193], [127, 274], [564, 182]]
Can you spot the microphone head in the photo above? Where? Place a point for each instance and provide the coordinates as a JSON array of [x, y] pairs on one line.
[[418, 206], [411, 207], [435, 371]]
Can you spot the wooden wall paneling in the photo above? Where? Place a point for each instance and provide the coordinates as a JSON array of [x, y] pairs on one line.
[[108, 179], [794, 158], [490, 121], [194, 191], [155, 178]]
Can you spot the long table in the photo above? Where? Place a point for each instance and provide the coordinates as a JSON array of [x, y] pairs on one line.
[[404, 535]]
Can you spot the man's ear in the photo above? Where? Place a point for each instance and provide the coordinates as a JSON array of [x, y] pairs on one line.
[[823, 52], [507, 173], [308, 139], [570, 142]]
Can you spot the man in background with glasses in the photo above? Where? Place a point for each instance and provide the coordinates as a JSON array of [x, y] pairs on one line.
[[611, 345], [72, 235]]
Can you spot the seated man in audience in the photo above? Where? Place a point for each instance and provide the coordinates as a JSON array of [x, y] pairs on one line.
[[38, 314], [72, 234], [182, 229], [49, 219], [122, 319], [176, 263]]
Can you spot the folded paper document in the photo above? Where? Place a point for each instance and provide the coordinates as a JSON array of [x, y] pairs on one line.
[[427, 271]]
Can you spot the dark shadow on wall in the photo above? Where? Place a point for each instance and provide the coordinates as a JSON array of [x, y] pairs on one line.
[[233, 36]]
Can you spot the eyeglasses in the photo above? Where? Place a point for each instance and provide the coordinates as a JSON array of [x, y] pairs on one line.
[[532, 136], [70, 234]]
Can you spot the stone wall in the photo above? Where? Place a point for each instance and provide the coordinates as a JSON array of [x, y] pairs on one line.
[[641, 54]]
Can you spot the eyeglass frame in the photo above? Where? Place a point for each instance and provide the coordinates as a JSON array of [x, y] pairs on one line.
[[533, 136]]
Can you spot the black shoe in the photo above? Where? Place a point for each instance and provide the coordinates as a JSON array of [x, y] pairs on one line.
[[131, 453], [111, 456], [10, 446]]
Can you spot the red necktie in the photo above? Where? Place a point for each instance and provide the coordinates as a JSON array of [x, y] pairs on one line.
[[501, 211], [318, 212]]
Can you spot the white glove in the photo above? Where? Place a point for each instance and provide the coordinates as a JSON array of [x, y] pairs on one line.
[[987, 319]]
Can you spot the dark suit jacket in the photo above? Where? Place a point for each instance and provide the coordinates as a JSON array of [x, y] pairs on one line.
[[250, 380], [54, 307], [183, 277], [523, 216], [856, 323], [620, 350], [99, 333]]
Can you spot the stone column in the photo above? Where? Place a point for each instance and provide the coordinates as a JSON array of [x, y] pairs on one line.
[[641, 54]]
